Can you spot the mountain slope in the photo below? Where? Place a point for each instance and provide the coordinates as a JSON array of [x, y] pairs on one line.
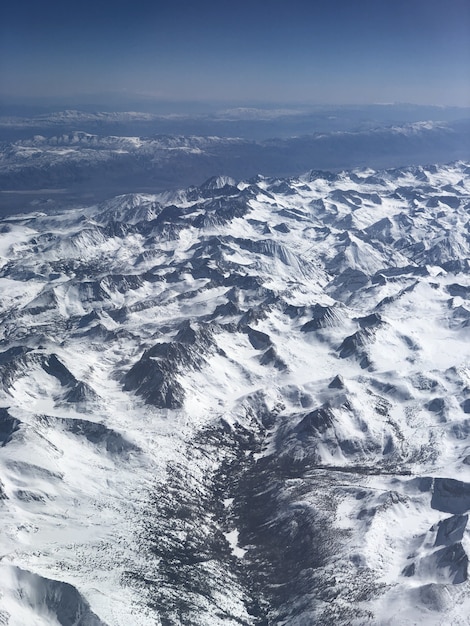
[[240, 404]]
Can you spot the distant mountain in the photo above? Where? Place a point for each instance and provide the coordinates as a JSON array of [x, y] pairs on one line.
[[69, 167], [249, 122], [239, 402]]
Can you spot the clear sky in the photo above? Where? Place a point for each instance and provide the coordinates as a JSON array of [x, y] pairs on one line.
[[324, 51]]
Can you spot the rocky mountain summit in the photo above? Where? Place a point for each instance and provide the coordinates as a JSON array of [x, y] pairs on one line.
[[239, 403]]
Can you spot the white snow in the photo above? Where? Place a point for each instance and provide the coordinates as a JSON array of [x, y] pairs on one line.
[[75, 507]]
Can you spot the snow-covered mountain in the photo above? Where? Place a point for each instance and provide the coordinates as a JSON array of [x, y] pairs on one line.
[[239, 403], [101, 164]]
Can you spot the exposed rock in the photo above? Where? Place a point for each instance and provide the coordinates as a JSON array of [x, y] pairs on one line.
[[337, 382], [81, 392], [100, 435], [258, 339], [449, 563], [59, 600], [270, 357], [437, 405], [322, 317], [8, 426], [351, 346], [54, 367], [466, 405], [451, 496], [316, 422], [450, 530]]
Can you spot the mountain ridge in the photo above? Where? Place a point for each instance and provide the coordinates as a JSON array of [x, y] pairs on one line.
[[256, 386]]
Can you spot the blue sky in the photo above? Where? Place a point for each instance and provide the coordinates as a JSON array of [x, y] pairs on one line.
[[329, 51]]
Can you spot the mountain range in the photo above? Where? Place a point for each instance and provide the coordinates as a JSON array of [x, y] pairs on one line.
[[245, 401], [77, 167]]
